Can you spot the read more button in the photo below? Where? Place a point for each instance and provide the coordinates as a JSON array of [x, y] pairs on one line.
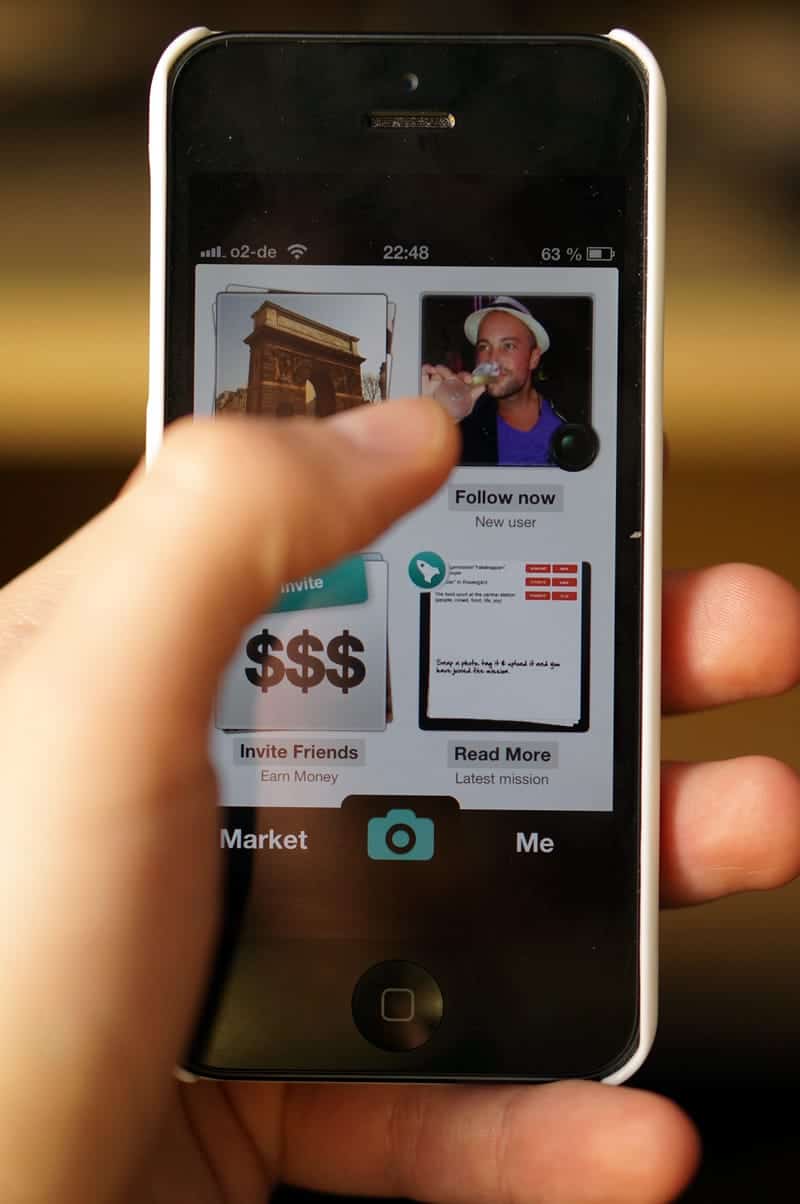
[[525, 752]]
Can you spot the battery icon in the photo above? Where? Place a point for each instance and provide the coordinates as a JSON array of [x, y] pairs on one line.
[[599, 254]]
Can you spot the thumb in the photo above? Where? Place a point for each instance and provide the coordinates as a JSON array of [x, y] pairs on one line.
[[230, 510], [108, 868]]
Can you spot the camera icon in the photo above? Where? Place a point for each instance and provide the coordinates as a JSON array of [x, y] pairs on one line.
[[400, 835]]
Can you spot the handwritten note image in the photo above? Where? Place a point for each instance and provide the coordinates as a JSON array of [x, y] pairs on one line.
[[503, 650]]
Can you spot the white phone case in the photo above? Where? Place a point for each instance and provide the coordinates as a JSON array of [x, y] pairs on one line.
[[651, 534], [653, 461]]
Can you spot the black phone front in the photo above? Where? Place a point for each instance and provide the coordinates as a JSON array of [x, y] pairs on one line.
[[429, 755]]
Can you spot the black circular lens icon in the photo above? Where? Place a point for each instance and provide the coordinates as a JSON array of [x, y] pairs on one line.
[[400, 839], [574, 446]]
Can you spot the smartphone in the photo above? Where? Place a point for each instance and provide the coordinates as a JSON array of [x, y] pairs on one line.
[[438, 759]]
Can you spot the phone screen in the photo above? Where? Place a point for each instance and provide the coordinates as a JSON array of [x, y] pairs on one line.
[[426, 752]]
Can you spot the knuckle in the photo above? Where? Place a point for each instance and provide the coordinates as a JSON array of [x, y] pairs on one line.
[[202, 459], [219, 462]]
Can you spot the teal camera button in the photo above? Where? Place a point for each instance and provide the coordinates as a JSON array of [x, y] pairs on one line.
[[400, 835]]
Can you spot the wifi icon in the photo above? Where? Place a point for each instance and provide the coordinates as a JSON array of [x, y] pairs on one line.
[[297, 250]]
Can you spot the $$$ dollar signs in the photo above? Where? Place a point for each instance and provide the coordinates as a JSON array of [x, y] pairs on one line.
[[351, 671], [307, 669], [270, 669], [311, 669]]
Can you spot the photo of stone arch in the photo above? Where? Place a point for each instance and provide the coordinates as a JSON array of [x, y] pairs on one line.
[[299, 366], [297, 354]]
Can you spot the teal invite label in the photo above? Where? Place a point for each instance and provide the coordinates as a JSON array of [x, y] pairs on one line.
[[344, 584]]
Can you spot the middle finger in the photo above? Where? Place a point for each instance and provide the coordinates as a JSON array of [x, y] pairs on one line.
[[731, 632]]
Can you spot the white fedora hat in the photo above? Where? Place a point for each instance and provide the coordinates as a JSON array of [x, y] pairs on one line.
[[507, 305]]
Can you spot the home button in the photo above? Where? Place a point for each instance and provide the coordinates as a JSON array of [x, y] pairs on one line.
[[397, 1005]]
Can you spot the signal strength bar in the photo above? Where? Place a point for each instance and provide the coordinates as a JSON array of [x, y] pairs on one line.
[[212, 253]]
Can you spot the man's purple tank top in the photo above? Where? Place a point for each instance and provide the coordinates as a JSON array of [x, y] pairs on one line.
[[527, 447]]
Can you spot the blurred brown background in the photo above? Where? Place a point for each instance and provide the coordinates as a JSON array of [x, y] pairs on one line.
[[73, 89]]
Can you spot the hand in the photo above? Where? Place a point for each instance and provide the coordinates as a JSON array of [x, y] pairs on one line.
[[434, 374], [453, 390], [432, 377], [105, 695]]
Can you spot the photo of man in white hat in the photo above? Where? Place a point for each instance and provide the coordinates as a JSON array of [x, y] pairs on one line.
[[505, 418]]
